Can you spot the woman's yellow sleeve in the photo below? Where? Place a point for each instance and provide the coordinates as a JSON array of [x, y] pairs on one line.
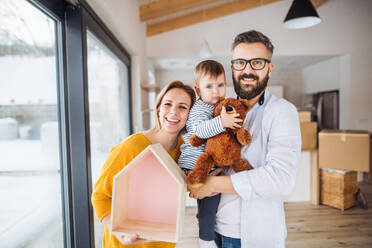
[[118, 158]]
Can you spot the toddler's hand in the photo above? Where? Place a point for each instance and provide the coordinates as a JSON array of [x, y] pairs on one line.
[[230, 120]]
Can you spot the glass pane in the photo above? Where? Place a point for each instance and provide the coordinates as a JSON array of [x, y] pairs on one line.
[[30, 182], [108, 93]]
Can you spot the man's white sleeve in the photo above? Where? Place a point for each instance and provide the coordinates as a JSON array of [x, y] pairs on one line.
[[277, 177]]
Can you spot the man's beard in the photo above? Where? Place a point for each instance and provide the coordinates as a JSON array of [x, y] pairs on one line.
[[252, 90]]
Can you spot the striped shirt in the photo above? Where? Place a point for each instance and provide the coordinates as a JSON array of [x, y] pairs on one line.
[[201, 123]]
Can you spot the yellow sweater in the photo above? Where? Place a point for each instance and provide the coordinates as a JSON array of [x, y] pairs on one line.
[[119, 157]]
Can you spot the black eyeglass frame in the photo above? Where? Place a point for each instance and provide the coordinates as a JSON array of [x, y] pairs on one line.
[[248, 61]]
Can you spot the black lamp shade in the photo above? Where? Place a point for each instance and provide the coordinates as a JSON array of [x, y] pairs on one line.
[[301, 14]]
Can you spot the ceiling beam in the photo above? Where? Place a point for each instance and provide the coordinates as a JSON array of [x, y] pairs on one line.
[[204, 15], [318, 3], [165, 7], [209, 14]]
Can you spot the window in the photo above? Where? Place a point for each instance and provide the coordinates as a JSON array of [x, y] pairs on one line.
[[109, 108], [30, 180], [60, 70]]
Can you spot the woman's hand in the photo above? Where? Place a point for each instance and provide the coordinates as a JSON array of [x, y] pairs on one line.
[[133, 239]]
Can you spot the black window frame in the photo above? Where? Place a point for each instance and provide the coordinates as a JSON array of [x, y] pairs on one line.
[[72, 23]]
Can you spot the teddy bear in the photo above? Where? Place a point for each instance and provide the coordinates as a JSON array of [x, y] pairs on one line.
[[222, 150]]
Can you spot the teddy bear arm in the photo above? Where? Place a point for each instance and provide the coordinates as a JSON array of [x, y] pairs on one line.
[[243, 137], [199, 174], [242, 165], [195, 141]]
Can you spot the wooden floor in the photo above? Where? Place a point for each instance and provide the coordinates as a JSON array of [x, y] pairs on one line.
[[312, 226]]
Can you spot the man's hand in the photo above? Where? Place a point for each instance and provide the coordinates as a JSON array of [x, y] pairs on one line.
[[230, 120], [213, 186], [203, 191]]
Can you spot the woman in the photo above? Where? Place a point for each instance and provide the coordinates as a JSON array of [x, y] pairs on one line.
[[172, 109]]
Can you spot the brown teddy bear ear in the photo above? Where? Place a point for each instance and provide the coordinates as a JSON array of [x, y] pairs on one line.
[[219, 100], [246, 103]]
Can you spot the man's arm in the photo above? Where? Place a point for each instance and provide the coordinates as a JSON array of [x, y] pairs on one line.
[[213, 186], [278, 176]]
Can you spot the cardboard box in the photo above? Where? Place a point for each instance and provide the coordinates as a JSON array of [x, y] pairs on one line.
[[344, 150], [149, 196], [309, 135], [338, 188], [304, 116]]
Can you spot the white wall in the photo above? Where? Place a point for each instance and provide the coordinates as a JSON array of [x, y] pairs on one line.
[[322, 76], [122, 18], [291, 80], [344, 31], [166, 76]]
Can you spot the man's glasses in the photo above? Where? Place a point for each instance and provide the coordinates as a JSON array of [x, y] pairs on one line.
[[256, 63]]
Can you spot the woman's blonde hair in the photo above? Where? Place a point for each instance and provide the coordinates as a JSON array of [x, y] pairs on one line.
[[173, 85]]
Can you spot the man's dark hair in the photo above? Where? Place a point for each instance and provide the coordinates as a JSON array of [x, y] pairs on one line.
[[254, 36]]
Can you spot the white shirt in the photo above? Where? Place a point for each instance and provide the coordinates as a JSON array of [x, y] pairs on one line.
[[274, 154], [228, 214]]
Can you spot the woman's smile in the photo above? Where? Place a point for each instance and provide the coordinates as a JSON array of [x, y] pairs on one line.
[[172, 120]]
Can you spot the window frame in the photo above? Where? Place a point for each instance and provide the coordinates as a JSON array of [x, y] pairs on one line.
[[72, 23], [56, 11]]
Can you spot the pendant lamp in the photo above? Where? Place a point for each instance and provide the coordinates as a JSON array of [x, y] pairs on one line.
[[205, 50], [301, 14]]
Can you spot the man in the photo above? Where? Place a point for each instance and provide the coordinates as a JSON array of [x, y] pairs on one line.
[[251, 212]]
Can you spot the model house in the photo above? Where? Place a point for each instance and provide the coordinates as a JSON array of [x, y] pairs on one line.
[[149, 197]]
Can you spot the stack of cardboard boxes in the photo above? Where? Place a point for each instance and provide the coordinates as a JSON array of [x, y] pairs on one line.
[[309, 145], [341, 154], [308, 131]]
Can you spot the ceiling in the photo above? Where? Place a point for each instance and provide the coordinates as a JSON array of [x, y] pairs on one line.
[[163, 16], [289, 62]]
